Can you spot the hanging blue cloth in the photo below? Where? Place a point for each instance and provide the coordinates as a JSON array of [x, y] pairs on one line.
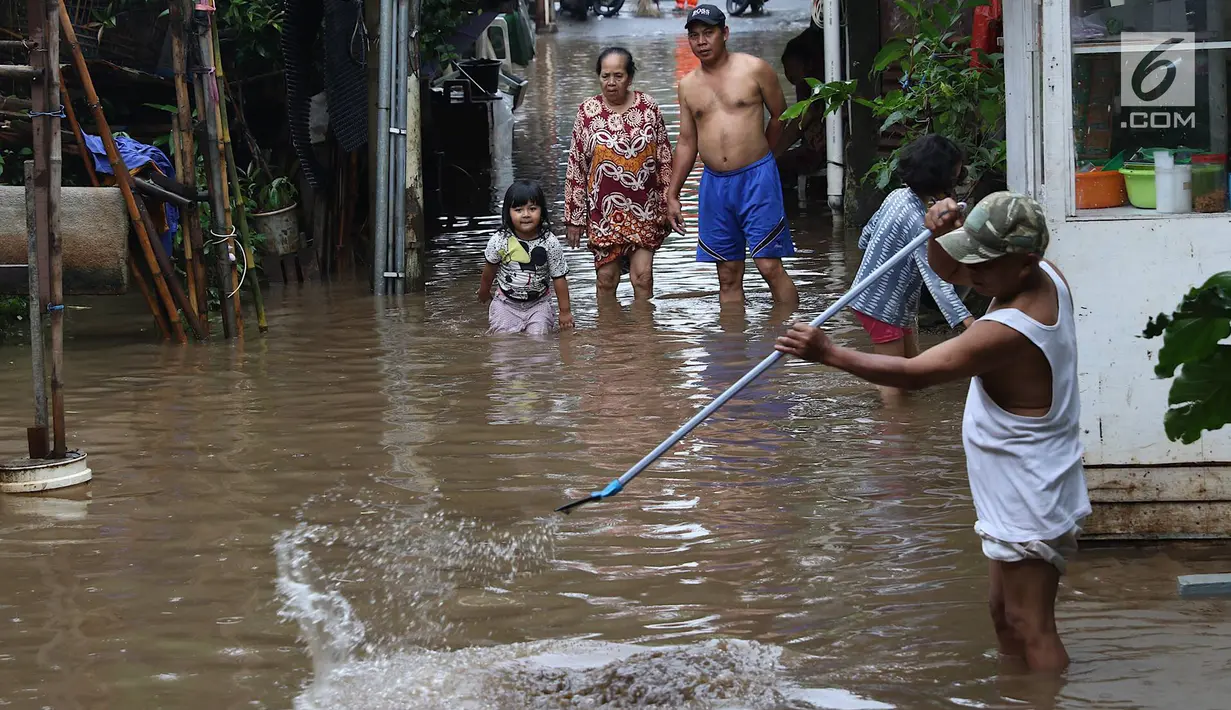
[[136, 154]]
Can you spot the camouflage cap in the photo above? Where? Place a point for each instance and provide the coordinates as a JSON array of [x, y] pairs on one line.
[[1002, 223]]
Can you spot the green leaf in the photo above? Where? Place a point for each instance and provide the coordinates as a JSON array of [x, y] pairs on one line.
[[1200, 397], [814, 84], [1189, 340], [882, 180], [893, 51], [909, 8], [163, 107], [892, 119], [795, 110], [991, 110]]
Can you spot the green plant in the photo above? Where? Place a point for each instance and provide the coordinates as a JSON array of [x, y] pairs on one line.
[[438, 20], [261, 193], [941, 92], [1200, 397], [13, 313], [831, 97], [250, 30]]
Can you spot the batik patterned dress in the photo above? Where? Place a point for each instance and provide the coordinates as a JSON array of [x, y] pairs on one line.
[[619, 170]]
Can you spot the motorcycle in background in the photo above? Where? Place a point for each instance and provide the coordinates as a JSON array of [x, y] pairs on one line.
[[581, 9], [737, 7]]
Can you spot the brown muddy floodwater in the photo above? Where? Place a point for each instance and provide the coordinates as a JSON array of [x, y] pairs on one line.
[[355, 511]]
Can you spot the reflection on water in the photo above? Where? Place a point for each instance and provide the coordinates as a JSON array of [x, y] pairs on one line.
[[356, 511]]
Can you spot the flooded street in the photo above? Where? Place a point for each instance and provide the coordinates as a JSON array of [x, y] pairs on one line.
[[356, 511]]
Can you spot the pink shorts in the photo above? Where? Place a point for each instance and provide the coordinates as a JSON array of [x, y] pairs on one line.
[[881, 331]]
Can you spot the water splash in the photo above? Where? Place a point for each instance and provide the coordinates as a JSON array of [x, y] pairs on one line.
[[327, 622], [559, 674], [374, 603], [399, 570]]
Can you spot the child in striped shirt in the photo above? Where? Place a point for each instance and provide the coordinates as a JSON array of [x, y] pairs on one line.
[[889, 310]]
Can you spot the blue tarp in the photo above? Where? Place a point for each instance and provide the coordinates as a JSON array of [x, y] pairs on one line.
[[135, 155]]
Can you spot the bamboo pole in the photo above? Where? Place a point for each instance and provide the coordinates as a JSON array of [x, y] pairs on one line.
[[55, 306], [244, 238], [121, 176], [36, 436], [88, 159], [186, 169], [220, 211], [40, 127], [71, 114], [144, 287], [164, 262]]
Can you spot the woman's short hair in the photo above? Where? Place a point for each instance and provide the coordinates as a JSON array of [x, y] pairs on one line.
[[928, 165], [630, 66]]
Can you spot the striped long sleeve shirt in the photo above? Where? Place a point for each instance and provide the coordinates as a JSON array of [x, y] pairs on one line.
[[894, 299]]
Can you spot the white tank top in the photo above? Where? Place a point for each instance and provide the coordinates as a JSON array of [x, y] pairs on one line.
[[1026, 475]]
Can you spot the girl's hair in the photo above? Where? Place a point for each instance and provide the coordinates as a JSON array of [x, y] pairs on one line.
[[526, 192], [630, 66], [927, 165]]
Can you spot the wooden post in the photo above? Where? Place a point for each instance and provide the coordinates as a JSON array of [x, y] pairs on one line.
[[122, 178], [51, 12], [36, 436], [40, 103], [45, 58]]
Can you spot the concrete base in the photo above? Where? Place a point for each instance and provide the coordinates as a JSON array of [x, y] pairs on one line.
[[1193, 585], [27, 475]]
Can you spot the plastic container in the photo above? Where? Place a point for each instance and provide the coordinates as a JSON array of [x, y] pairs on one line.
[[1139, 184], [1210, 182], [1099, 189], [1165, 179], [1173, 185], [485, 73], [1182, 188]]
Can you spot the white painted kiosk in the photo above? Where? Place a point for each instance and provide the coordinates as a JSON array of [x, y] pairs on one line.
[[1071, 100]]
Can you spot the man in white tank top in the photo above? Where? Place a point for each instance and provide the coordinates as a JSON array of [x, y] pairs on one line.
[[1020, 429]]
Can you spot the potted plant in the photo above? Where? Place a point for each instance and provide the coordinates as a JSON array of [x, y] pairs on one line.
[[275, 214]]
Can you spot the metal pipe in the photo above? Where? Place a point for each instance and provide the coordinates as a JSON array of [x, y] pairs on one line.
[[387, 184], [833, 123], [380, 220], [399, 148]]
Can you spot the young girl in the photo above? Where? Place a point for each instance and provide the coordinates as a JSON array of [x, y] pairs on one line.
[[524, 259], [931, 167]]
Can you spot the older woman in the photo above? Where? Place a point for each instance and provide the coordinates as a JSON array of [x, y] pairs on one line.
[[619, 169]]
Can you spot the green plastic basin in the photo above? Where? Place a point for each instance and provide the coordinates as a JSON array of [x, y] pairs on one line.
[[1139, 182]]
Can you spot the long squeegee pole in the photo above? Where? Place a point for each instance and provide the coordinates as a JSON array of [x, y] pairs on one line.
[[768, 362]]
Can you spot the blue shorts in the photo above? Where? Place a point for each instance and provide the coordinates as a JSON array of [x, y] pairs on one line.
[[741, 213]]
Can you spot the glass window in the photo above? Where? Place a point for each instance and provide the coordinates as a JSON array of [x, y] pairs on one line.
[[1150, 99]]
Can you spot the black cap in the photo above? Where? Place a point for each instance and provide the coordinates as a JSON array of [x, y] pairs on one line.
[[706, 14]]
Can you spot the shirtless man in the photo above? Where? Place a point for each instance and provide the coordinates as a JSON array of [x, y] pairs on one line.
[[1020, 430], [722, 106]]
